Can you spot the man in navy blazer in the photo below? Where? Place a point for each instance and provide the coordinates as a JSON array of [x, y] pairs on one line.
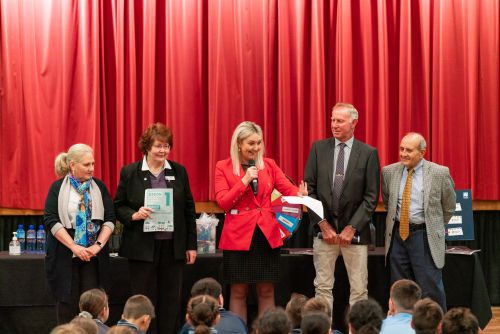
[[344, 174]]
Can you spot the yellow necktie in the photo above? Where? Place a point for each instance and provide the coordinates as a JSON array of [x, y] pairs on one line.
[[404, 222]]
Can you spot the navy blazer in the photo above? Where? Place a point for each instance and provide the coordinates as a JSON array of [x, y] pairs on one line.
[[139, 245]]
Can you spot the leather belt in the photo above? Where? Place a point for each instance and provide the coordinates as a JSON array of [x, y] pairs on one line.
[[413, 227]]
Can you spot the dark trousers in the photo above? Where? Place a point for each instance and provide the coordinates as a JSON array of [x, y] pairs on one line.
[[84, 277], [412, 259], [161, 282]]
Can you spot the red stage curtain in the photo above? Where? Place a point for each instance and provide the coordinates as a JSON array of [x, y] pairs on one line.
[[100, 71]]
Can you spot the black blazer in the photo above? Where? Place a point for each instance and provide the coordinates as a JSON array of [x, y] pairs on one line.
[[360, 191], [138, 245], [58, 261]]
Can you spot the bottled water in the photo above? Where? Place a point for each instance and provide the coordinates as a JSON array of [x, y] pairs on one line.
[[40, 240], [14, 246], [21, 237], [31, 240]]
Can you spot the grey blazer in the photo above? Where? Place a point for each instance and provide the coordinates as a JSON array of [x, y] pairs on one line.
[[439, 204]]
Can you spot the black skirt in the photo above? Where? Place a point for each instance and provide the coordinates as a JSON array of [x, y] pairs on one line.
[[259, 264]]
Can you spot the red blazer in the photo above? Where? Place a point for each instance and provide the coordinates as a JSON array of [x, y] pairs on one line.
[[244, 210]]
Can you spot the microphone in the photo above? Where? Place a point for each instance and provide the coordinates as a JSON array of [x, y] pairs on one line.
[[254, 183], [355, 240]]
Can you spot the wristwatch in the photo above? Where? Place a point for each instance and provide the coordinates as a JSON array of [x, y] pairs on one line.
[[98, 243], [322, 221]]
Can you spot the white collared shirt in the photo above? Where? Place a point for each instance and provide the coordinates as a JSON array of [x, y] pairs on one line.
[[145, 165]]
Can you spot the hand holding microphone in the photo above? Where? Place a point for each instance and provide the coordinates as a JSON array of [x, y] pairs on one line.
[[254, 173]]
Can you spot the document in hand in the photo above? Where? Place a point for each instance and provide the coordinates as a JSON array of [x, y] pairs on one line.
[[161, 201], [310, 202]]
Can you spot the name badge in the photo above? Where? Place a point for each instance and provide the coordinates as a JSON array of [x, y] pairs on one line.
[[170, 178], [233, 212]]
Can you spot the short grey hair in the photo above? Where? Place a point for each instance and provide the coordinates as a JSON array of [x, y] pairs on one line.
[[349, 108]]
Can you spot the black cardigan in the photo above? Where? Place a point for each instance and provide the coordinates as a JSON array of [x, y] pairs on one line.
[[58, 260], [139, 245]]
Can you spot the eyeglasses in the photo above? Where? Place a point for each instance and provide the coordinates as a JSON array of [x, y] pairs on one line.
[[160, 146]]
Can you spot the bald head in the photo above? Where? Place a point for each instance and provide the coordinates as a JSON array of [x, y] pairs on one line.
[[415, 136], [412, 149]]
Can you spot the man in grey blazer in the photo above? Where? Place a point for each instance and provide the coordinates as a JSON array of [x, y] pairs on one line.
[[416, 252], [344, 174]]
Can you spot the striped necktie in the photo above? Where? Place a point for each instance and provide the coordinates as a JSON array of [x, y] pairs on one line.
[[404, 221]]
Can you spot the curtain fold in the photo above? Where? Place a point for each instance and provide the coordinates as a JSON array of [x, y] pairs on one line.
[[99, 72]]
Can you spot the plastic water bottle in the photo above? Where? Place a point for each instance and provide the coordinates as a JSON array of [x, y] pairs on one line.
[[14, 246], [31, 240], [40, 240], [21, 237]]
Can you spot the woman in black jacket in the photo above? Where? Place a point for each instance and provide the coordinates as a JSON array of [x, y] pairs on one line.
[[79, 218], [156, 259]]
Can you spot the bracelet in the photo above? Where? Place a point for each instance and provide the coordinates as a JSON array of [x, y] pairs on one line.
[[98, 243]]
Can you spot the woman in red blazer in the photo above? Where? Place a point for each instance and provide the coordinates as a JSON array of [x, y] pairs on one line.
[[250, 237]]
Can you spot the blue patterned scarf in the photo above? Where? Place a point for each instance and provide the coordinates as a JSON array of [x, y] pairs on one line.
[[85, 230]]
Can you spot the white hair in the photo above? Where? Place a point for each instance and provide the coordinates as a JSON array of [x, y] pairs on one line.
[[353, 113]]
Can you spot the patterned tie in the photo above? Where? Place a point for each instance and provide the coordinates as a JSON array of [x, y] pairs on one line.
[[404, 222], [339, 179]]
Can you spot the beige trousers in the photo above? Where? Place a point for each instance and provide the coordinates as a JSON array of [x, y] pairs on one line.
[[356, 263]]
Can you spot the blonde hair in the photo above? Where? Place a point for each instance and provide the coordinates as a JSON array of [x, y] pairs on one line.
[[64, 159], [243, 131], [93, 302]]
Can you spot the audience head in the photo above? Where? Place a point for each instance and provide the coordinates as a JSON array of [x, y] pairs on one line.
[[95, 303], [68, 329], [404, 294], [66, 161], [274, 321], [88, 325], [121, 330], [365, 317], [208, 286], [242, 132], [459, 320], [202, 313], [294, 309], [317, 304], [156, 131], [427, 316], [139, 310], [315, 323]]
